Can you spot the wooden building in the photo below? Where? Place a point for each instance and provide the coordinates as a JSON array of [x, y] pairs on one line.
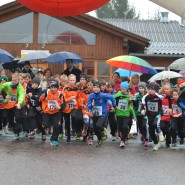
[[93, 40]]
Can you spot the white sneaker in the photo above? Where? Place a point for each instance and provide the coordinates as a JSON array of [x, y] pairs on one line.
[[6, 129], [156, 147], [161, 137], [1, 132]]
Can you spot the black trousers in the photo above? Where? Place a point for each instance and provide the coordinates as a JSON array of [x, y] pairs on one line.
[[3, 118], [176, 127], [98, 124], [123, 124], [113, 123], [52, 119], [165, 128]]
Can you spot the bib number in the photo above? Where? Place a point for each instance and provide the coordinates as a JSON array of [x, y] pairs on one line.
[[71, 105], [52, 104], [13, 98], [176, 109], [152, 106], [122, 105], [165, 108], [97, 110]]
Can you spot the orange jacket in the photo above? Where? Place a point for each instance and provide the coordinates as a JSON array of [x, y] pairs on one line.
[[50, 101], [69, 91], [82, 102]]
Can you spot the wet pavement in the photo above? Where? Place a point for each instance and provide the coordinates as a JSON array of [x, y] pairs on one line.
[[33, 162]]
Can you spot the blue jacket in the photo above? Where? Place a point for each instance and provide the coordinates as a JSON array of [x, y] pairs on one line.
[[100, 107]]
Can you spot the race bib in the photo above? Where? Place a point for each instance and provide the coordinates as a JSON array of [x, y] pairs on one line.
[[32, 102], [1, 98], [97, 110], [13, 98], [122, 105], [152, 106], [165, 108], [176, 109], [52, 104], [71, 104]]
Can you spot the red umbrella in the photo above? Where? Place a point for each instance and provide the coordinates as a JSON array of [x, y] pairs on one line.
[[63, 7]]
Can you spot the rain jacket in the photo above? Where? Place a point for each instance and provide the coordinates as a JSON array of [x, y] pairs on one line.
[[123, 105], [17, 94], [100, 107]]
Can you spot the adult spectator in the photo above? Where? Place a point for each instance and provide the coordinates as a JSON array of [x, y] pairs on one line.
[[27, 69], [71, 69], [117, 81]]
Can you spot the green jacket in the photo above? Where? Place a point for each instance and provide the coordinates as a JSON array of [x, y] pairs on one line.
[[123, 105], [137, 103], [20, 93]]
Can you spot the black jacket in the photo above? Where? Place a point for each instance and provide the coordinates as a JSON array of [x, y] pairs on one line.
[[74, 71]]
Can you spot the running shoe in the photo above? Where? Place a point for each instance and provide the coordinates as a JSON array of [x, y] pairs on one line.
[[146, 144], [31, 135], [6, 129], [16, 137], [54, 143], [182, 141], [156, 147], [161, 137], [174, 144], [43, 137], [68, 140], [89, 141], [100, 142], [84, 132], [122, 144]]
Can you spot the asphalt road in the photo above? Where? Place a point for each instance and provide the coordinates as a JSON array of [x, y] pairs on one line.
[[32, 162]]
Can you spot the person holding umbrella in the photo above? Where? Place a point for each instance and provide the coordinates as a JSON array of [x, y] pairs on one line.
[[71, 69], [27, 69]]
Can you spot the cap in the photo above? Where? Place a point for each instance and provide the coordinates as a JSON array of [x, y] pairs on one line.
[[153, 86], [124, 85], [54, 83], [181, 83], [3, 77], [97, 84], [142, 84], [82, 75], [36, 80]]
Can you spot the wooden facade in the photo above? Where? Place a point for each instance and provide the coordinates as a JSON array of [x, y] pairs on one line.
[[110, 41]]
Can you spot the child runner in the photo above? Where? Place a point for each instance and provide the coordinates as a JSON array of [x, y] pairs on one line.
[[137, 102], [123, 110], [3, 116], [167, 109], [87, 131], [52, 101], [97, 101], [15, 103], [70, 93], [176, 120], [152, 108], [111, 117]]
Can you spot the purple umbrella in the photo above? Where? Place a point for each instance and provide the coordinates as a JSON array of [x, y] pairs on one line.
[[182, 72]]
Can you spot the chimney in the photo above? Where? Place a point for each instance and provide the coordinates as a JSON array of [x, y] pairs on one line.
[[164, 16]]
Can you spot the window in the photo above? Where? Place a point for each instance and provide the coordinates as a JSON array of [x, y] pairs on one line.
[[103, 71], [52, 30], [88, 68], [17, 30]]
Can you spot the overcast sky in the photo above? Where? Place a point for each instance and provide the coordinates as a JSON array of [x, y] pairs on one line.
[[145, 7]]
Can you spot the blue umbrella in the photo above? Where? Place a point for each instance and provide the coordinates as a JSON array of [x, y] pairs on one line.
[[5, 56], [61, 57], [124, 72]]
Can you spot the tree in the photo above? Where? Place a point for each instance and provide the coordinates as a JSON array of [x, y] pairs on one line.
[[117, 9]]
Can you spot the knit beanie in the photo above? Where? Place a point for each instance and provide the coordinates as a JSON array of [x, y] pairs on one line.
[[36, 80], [142, 84], [124, 85]]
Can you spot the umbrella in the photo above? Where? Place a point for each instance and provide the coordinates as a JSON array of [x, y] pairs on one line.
[[61, 57], [182, 72], [164, 74], [132, 63], [124, 72], [35, 56], [5, 56], [178, 64], [175, 6], [63, 7]]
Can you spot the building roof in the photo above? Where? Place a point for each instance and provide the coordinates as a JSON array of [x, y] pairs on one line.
[[165, 37]]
